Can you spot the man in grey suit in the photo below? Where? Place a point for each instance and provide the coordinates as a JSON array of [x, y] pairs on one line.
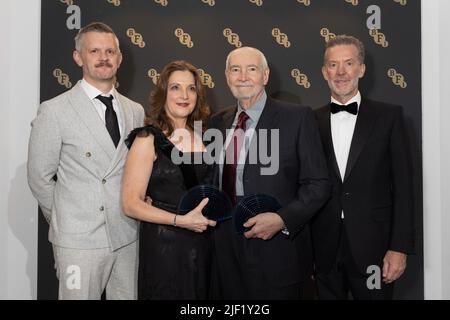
[[78, 138]]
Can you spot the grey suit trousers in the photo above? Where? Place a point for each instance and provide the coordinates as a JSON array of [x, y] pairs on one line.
[[85, 273]]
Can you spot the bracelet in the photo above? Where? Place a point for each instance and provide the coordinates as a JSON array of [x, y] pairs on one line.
[[175, 220]]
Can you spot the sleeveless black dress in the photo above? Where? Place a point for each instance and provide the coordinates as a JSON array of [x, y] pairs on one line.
[[174, 263]]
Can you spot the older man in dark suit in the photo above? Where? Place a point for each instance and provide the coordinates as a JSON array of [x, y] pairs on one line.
[[266, 262]]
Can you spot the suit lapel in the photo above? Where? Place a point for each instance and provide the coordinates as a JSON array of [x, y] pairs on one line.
[[325, 128], [83, 107], [269, 116], [227, 121], [363, 128], [268, 120]]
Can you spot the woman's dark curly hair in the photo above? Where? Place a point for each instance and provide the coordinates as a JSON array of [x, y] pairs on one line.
[[157, 115]]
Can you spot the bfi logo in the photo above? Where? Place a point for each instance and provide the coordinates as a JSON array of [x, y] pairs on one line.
[[184, 38]]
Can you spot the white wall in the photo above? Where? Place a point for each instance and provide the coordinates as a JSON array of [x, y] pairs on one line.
[[436, 147], [445, 142], [19, 92]]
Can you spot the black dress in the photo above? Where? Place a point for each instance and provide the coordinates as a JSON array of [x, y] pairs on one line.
[[174, 263]]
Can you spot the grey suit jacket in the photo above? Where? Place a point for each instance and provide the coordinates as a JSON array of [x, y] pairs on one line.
[[83, 206]]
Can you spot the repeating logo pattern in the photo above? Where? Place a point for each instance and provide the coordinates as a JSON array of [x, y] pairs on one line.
[[259, 3], [326, 34], [115, 2], [379, 38], [301, 78], [374, 25], [184, 38], [397, 78], [154, 75], [63, 79], [353, 2], [207, 80], [233, 38], [281, 37], [211, 3], [402, 2], [136, 38], [164, 3], [306, 3]]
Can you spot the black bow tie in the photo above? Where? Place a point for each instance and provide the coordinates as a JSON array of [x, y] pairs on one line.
[[350, 108]]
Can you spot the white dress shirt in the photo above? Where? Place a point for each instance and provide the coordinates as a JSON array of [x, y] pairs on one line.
[[342, 128], [93, 92]]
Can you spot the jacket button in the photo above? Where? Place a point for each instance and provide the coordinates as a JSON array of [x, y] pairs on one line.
[[347, 194], [102, 208], [88, 154], [104, 181]]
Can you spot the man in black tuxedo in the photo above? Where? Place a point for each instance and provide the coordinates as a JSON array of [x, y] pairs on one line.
[[363, 234], [266, 261]]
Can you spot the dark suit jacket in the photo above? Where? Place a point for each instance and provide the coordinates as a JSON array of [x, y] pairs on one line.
[[301, 185], [376, 194]]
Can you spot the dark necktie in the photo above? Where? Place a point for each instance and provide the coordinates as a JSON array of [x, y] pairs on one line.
[[111, 119], [350, 108], [231, 158]]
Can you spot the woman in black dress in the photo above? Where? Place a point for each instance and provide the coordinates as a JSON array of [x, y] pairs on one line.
[[174, 250]]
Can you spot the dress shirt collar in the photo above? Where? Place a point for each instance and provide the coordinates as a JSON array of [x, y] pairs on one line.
[[93, 92], [255, 111]]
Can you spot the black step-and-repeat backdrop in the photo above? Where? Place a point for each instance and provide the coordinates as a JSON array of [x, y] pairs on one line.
[[291, 33]]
